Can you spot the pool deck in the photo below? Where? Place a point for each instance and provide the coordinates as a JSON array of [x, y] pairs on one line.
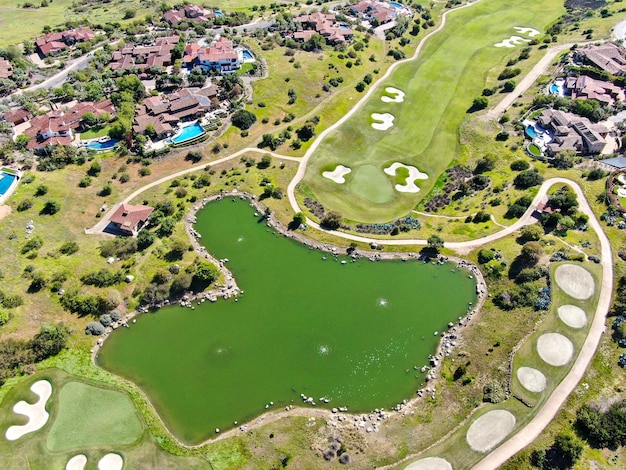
[[13, 187]]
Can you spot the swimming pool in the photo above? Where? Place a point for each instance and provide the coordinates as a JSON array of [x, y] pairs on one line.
[[555, 89], [96, 145], [396, 5], [531, 132], [187, 133], [218, 13], [247, 54], [344, 26], [6, 180]]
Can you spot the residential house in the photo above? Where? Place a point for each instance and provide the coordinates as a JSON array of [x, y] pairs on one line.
[[56, 127], [220, 55], [6, 69], [572, 132], [130, 219], [324, 24], [163, 112], [608, 57], [193, 13], [17, 116], [584, 87], [53, 43], [144, 57], [371, 10]]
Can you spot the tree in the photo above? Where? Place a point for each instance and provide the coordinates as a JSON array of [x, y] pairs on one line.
[[50, 208], [483, 165], [194, 156], [531, 252], [435, 242], [527, 179], [94, 328], [299, 218], [331, 220], [266, 161], [314, 44], [21, 141], [50, 341], [532, 233], [243, 119], [90, 119], [519, 165], [360, 87], [479, 103], [206, 273]]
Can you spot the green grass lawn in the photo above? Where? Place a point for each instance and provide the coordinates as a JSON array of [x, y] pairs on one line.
[[440, 86], [92, 416], [96, 131]]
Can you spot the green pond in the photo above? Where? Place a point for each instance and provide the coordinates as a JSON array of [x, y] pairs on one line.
[[351, 333]]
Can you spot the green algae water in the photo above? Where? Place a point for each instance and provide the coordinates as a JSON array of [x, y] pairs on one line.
[[350, 333]]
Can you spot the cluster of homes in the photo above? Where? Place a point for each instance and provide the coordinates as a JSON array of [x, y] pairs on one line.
[[324, 24], [143, 57], [375, 12], [192, 13], [162, 113], [55, 127], [54, 43], [608, 57]]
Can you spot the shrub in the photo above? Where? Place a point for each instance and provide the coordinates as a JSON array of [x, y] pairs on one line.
[[124, 178], [481, 216], [115, 315], [331, 220], [532, 233], [4, 317], [24, 205], [243, 119], [596, 174], [68, 248], [144, 171], [520, 165], [94, 328], [527, 179], [106, 190], [42, 190], [103, 278], [32, 245], [484, 256], [479, 103], [84, 182]]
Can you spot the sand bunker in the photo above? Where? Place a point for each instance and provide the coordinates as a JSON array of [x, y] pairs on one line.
[[531, 379], [414, 174], [577, 282], [386, 121], [572, 316], [530, 32], [397, 98], [489, 430], [37, 414], [337, 175], [77, 462], [512, 41], [430, 463], [111, 462], [555, 349]]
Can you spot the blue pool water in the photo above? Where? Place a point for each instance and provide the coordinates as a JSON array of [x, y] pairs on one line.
[[6, 180], [530, 132], [247, 54], [95, 145], [344, 26], [218, 13], [188, 133], [396, 5], [554, 89]]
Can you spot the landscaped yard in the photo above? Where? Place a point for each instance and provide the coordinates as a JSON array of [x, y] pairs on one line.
[[440, 86]]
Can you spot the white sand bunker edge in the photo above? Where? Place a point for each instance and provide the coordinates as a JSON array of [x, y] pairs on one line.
[[575, 281], [531, 32], [531, 379], [555, 349], [111, 462], [36, 413], [489, 430], [572, 316], [397, 98], [414, 174], [337, 175], [77, 462], [512, 41], [386, 121], [430, 463]]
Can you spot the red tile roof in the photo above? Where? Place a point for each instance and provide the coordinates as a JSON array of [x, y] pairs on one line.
[[131, 217]]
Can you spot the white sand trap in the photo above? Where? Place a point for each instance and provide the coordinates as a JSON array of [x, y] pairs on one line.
[[621, 192], [512, 41], [414, 174], [37, 414], [531, 379], [397, 98], [489, 430], [572, 316], [386, 121], [575, 281], [555, 349], [77, 462], [111, 462], [530, 32], [430, 463], [337, 175]]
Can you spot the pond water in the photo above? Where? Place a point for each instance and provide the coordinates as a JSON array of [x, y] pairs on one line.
[[351, 333]]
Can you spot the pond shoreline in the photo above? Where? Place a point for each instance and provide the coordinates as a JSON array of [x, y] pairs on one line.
[[336, 418]]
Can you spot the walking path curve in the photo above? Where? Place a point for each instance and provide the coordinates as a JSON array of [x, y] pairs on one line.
[[100, 226], [531, 431]]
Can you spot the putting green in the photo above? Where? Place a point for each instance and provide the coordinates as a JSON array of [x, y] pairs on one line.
[[369, 182], [93, 416], [439, 88]]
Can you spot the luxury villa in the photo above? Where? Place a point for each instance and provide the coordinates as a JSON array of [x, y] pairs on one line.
[[323, 24], [53, 43], [220, 55], [608, 57], [190, 12], [144, 57], [572, 132]]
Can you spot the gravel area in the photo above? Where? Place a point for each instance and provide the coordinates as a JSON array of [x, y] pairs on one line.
[[490, 429], [575, 281], [531, 379], [572, 316], [555, 349]]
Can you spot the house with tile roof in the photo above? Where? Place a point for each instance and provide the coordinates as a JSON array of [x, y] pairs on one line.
[[143, 57], [324, 24], [584, 87], [6, 68], [573, 132], [220, 55], [54, 43], [190, 12], [130, 219], [608, 57]]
